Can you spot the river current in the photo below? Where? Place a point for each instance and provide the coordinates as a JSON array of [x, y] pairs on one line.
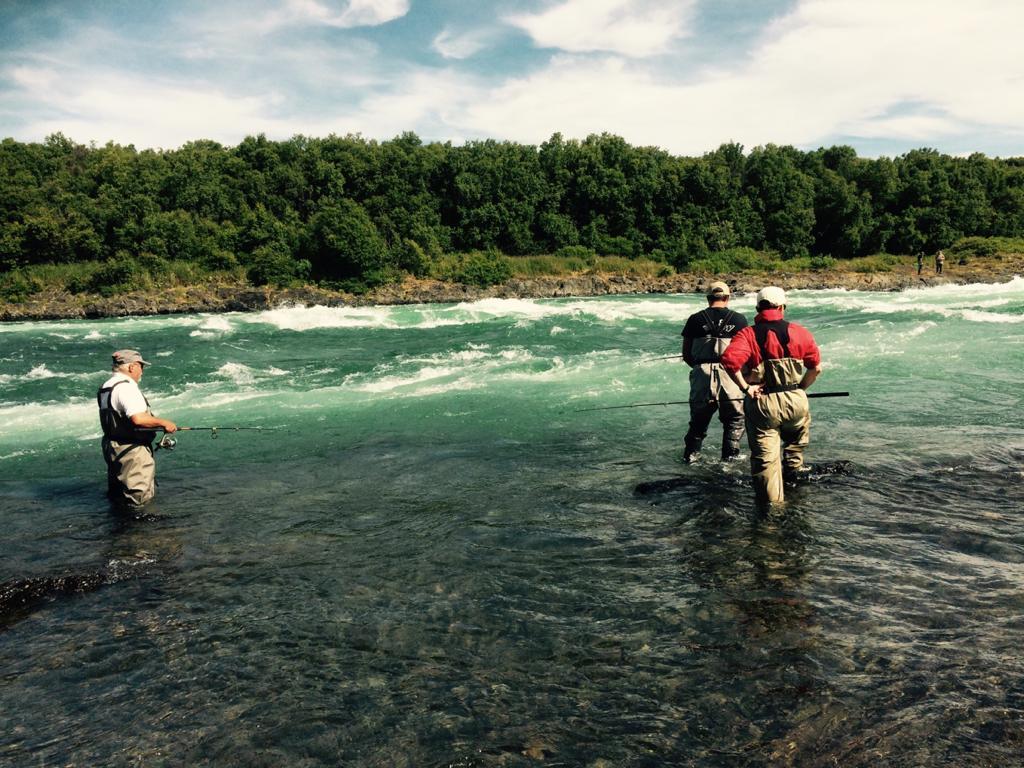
[[432, 555]]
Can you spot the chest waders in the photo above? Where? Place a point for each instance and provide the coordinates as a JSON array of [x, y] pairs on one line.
[[778, 423], [711, 389], [130, 471], [780, 374]]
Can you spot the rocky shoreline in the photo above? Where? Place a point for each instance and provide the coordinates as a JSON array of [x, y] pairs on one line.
[[241, 297]]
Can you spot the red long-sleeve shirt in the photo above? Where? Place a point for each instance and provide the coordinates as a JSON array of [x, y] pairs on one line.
[[743, 350]]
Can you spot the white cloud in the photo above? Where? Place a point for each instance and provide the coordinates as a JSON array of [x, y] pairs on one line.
[[849, 62], [131, 110], [913, 71], [829, 68], [430, 102], [459, 46], [578, 96], [36, 80], [354, 13], [909, 128], [91, 105], [635, 28]]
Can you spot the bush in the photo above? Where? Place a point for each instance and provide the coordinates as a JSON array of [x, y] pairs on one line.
[[346, 244], [272, 264], [16, 286], [219, 259], [642, 267], [577, 252], [539, 266], [881, 262], [607, 245], [740, 259], [82, 282], [153, 265], [477, 268], [119, 274], [370, 280], [413, 258], [822, 262], [975, 246]]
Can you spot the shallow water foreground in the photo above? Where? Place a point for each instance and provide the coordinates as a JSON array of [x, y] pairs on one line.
[[435, 558]]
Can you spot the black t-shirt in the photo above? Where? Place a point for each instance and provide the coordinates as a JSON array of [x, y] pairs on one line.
[[720, 322]]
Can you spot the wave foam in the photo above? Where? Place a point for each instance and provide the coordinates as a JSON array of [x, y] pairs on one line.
[[523, 312], [391, 383], [613, 310], [242, 374], [36, 420], [959, 306], [213, 326], [297, 318], [41, 373]]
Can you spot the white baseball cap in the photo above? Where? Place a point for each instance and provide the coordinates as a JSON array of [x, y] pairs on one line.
[[718, 289], [772, 295]]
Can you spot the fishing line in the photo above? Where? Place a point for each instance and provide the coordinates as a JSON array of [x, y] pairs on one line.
[[810, 395]]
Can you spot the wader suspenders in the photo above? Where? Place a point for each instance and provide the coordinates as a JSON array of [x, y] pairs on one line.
[[781, 330], [715, 332], [117, 428]]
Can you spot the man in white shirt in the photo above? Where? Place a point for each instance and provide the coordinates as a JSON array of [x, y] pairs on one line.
[[129, 428]]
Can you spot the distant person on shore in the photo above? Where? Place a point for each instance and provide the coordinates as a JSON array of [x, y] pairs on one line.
[[940, 259], [920, 261], [774, 362], [705, 336], [129, 428]]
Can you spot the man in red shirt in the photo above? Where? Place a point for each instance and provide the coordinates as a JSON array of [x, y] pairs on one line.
[[774, 362]]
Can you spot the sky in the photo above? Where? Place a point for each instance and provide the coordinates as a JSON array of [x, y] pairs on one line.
[[883, 76]]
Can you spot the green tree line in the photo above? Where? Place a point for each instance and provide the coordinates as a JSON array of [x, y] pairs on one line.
[[357, 212]]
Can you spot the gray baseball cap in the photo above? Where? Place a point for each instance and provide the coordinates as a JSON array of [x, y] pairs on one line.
[[126, 356]]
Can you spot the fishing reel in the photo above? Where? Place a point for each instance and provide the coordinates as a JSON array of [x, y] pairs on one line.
[[167, 443]]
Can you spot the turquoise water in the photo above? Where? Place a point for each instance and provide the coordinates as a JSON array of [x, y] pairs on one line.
[[432, 556]]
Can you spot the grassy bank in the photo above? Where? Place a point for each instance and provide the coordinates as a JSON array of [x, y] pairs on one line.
[[147, 286]]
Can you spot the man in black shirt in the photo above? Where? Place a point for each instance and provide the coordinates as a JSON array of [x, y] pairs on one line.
[[705, 336]]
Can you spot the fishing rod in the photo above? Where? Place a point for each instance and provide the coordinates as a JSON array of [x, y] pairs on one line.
[[168, 443], [687, 402], [666, 357], [214, 430]]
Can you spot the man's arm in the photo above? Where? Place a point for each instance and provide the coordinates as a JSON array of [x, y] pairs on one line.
[[810, 357], [688, 351], [809, 376], [736, 355], [145, 421]]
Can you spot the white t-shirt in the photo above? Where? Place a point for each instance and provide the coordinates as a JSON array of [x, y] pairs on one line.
[[127, 398]]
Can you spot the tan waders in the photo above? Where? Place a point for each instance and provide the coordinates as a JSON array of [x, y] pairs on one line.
[[131, 473], [778, 428]]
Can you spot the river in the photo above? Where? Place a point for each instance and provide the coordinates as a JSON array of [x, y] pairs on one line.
[[431, 555]]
